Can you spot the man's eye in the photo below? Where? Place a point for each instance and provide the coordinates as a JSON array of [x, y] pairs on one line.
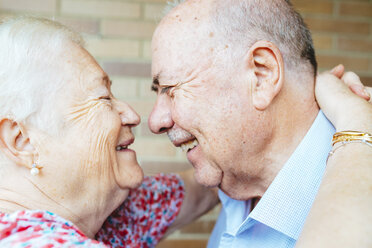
[[105, 98], [154, 88], [168, 90], [165, 90], [171, 92]]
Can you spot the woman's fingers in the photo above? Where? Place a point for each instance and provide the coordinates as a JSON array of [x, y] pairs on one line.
[[369, 92], [360, 90], [338, 71], [344, 109], [352, 80]]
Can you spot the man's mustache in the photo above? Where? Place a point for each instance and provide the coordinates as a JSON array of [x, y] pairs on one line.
[[177, 133]]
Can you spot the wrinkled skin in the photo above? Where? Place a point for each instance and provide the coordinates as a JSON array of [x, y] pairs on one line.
[[247, 113], [197, 98], [81, 168]]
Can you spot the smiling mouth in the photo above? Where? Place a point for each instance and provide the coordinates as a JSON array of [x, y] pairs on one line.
[[187, 146], [119, 148], [124, 145]]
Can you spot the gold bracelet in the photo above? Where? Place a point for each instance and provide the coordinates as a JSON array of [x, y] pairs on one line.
[[348, 137], [351, 136]]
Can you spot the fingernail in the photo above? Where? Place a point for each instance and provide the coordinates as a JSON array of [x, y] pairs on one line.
[[363, 91], [335, 68], [368, 96], [360, 91]]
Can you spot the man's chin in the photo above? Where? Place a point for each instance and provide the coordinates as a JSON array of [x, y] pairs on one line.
[[208, 177]]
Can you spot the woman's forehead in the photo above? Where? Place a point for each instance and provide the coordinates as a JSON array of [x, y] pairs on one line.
[[81, 69]]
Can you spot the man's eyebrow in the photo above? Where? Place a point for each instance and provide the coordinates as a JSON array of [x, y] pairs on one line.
[[155, 83]]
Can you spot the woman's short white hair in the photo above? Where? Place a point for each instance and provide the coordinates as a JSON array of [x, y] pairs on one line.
[[28, 48]]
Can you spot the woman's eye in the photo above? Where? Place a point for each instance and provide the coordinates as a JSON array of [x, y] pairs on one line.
[[106, 98]]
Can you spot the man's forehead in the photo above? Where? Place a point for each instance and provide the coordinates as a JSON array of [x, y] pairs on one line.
[[177, 50], [182, 44], [183, 74], [190, 9], [186, 22], [178, 63]]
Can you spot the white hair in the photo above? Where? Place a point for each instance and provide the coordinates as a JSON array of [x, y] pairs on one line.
[[29, 47]]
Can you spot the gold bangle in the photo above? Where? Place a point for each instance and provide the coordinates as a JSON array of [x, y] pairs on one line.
[[346, 136]]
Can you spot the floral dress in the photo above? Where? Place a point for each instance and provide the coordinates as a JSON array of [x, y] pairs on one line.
[[141, 221]]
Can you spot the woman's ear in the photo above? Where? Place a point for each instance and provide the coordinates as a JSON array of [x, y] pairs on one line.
[[265, 61], [15, 144]]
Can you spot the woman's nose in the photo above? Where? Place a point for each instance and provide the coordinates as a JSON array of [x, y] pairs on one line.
[[160, 119], [128, 116]]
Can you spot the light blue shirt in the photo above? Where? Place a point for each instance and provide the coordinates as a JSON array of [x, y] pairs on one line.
[[279, 216]]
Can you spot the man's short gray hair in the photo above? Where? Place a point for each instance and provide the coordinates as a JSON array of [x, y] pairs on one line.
[[171, 5], [243, 22], [28, 48]]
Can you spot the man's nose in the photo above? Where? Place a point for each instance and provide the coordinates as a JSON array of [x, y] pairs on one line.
[[160, 119]]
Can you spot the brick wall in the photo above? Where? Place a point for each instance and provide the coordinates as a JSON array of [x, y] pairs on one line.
[[118, 34]]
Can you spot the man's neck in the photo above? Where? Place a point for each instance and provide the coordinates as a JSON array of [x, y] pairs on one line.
[[287, 135], [288, 130]]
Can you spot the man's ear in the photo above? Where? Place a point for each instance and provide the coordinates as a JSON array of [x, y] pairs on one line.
[[265, 61], [15, 144]]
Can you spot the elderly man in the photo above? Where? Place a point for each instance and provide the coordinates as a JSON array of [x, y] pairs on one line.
[[235, 85]]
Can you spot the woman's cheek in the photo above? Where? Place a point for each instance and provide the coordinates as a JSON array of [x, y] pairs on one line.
[[97, 125], [99, 155], [102, 145]]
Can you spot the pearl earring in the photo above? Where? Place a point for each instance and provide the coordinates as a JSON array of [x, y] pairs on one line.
[[34, 170]]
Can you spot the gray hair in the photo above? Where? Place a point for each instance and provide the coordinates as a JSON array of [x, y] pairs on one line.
[[29, 47], [244, 22], [171, 5]]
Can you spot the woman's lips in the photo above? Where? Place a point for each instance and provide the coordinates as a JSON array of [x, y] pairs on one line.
[[124, 145]]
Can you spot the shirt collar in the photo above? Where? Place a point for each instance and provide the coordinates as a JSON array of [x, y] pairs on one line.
[[286, 203]]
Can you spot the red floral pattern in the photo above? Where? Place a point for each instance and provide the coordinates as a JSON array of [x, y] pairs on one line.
[[141, 221]]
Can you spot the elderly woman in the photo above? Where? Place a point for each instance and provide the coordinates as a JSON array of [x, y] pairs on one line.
[[67, 175]]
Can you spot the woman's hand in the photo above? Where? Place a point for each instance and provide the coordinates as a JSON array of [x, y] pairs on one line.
[[344, 100], [341, 214]]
